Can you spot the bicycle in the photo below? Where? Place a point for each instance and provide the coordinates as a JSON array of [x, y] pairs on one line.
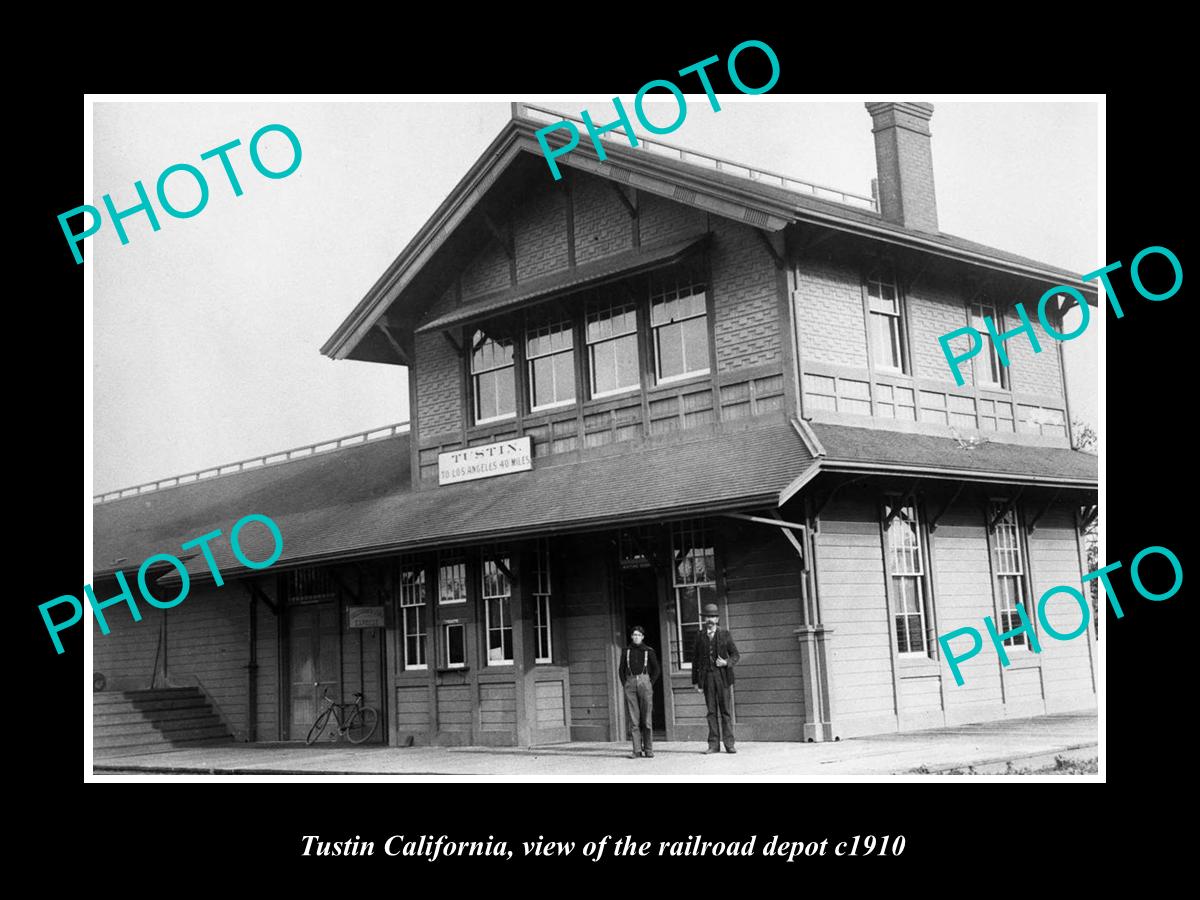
[[358, 726]]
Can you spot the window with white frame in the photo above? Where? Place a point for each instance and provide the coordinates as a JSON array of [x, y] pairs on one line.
[[988, 371], [883, 300], [550, 355], [492, 377], [454, 636], [413, 612], [612, 342], [452, 582], [679, 322], [1010, 571], [541, 603], [906, 561], [497, 605], [694, 580]]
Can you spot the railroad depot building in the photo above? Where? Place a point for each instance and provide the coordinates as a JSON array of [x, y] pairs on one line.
[[661, 381]]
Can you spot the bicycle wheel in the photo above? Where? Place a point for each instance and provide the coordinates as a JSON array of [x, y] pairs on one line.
[[318, 727], [362, 724]]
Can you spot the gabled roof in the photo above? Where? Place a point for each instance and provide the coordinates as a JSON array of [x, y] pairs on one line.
[[754, 202], [848, 449], [356, 502]]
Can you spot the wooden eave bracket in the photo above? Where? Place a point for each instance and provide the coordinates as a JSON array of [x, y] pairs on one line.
[[503, 568], [1086, 519], [629, 207], [822, 503], [504, 240], [337, 576], [256, 593], [777, 521], [1045, 509], [762, 236], [933, 522], [458, 350], [1003, 511], [386, 330], [908, 494]]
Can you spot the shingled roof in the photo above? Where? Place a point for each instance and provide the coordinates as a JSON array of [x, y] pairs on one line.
[[844, 448], [357, 502]]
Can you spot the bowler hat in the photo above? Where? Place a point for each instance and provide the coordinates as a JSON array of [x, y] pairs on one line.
[[710, 609]]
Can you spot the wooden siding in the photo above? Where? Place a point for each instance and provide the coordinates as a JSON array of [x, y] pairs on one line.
[[762, 587], [411, 711], [1066, 665], [589, 640], [497, 706], [454, 708], [126, 655], [551, 711], [208, 644], [963, 583], [850, 581], [924, 693]]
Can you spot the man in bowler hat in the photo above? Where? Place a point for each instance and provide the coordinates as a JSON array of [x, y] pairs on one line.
[[713, 657]]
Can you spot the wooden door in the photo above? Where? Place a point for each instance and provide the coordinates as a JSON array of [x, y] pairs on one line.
[[314, 663]]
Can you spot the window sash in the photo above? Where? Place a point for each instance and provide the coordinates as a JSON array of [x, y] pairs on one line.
[[497, 594], [694, 580], [679, 326], [1010, 571], [906, 557], [541, 629], [543, 636], [413, 616], [888, 355], [992, 374], [610, 333], [460, 642], [452, 583]]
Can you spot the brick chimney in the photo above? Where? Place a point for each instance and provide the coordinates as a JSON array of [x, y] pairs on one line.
[[904, 162]]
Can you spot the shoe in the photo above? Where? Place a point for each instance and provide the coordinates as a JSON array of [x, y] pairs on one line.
[[713, 750], [635, 756], [649, 754], [730, 750]]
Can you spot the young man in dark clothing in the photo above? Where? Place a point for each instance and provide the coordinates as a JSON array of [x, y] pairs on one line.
[[713, 657], [639, 673]]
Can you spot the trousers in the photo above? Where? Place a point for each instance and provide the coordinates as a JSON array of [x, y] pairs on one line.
[[639, 708], [718, 699]]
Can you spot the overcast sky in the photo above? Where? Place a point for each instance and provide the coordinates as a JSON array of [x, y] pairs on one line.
[[207, 332]]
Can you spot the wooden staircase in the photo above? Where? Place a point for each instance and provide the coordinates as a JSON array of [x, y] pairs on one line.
[[134, 723]]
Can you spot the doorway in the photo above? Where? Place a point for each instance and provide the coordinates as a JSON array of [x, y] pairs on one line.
[[314, 663], [639, 597]]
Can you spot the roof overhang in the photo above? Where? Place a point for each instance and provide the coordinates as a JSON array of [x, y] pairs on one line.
[[567, 281], [757, 204]]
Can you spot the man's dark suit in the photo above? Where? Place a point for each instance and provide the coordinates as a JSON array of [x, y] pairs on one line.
[[715, 681]]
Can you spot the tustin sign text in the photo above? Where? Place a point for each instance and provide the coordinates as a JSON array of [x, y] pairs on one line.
[[503, 458]]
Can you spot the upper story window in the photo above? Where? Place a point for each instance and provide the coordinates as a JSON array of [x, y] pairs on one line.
[[679, 319], [1010, 571], [988, 371], [883, 302], [492, 376], [613, 349], [550, 355]]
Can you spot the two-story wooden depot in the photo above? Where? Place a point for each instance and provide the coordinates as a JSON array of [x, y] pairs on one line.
[[690, 382]]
